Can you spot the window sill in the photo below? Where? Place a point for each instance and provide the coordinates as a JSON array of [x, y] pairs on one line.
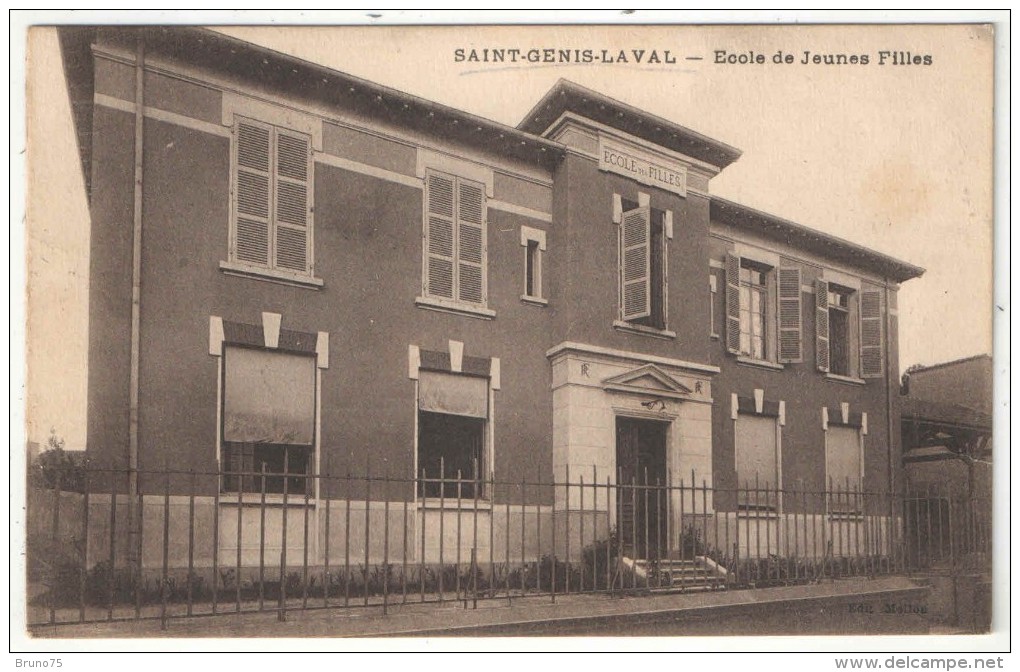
[[760, 363], [273, 500], [534, 300], [444, 306], [642, 330], [846, 380], [846, 516], [451, 504], [270, 275]]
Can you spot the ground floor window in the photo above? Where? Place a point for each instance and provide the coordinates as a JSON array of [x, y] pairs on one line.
[[244, 462], [268, 419], [843, 469], [449, 455], [453, 409], [757, 462]]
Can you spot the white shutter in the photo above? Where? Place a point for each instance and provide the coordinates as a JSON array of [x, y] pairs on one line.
[[635, 264], [252, 178], [871, 334], [789, 315], [822, 325], [470, 242], [439, 236], [733, 304], [292, 172]]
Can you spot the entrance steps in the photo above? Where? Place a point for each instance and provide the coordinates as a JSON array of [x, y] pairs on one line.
[[674, 575]]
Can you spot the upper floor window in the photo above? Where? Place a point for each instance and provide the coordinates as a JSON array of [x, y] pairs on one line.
[[848, 330], [533, 242], [763, 310], [455, 241], [271, 199], [643, 265], [839, 331], [753, 309]]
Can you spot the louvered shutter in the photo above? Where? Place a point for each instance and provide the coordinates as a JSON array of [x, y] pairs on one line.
[[439, 236], [635, 266], [292, 204], [251, 193], [871, 334], [790, 349], [822, 325], [733, 304], [470, 242]]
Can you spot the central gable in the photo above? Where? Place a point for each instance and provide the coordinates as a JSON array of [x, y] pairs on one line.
[[648, 379]]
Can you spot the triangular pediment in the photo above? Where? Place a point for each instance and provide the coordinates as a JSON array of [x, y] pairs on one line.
[[648, 379]]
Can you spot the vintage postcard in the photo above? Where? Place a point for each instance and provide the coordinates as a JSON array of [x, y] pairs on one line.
[[636, 329]]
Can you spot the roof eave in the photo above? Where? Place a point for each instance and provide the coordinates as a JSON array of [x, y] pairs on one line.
[[743, 216], [567, 95]]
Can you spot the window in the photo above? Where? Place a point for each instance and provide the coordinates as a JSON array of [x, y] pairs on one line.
[[848, 331], [533, 241], [713, 290], [271, 203], [757, 462], [452, 414], [532, 270], [455, 244], [643, 266], [268, 419], [839, 331], [753, 310], [761, 326], [843, 469]]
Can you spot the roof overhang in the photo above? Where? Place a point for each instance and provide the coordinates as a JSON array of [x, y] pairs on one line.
[[803, 237], [566, 96], [288, 76]]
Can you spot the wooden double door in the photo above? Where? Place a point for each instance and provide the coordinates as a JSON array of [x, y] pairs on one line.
[[642, 499]]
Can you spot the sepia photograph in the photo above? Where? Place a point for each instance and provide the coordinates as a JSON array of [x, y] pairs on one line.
[[634, 328]]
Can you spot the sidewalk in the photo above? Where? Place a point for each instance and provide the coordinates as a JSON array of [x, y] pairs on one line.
[[881, 606]]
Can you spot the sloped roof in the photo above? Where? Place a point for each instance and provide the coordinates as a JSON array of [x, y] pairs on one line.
[[942, 413], [798, 235], [567, 96]]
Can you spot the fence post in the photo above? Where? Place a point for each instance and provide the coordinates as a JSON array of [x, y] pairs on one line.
[[83, 572], [368, 524], [386, 540], [191, 537], [54, 533], [166, 550], [281, 613]]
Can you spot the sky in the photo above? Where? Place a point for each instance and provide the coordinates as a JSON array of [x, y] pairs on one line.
[[894, 157]]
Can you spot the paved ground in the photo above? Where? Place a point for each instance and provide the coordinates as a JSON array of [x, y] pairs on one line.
[[886, 605]]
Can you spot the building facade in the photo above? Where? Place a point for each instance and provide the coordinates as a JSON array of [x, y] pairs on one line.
[[298, 271]]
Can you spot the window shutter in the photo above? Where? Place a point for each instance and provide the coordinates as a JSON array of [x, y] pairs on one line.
[[251, 194], [292, 203], [822, 325], [439, 236], [733, 303], [871, 334], [470, 242], [636, 264], [790, 349]]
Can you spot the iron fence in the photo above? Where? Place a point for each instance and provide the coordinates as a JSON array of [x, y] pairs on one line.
[[190, 543]]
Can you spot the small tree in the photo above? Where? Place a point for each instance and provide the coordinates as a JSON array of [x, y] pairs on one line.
[[53, 460]]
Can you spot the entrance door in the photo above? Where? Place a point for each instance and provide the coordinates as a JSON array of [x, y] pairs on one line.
[[642, 500]]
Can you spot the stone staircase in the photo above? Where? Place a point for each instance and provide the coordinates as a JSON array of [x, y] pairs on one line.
[[673, 575]]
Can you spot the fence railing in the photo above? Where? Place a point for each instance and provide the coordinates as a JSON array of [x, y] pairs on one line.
[[192, 543]]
